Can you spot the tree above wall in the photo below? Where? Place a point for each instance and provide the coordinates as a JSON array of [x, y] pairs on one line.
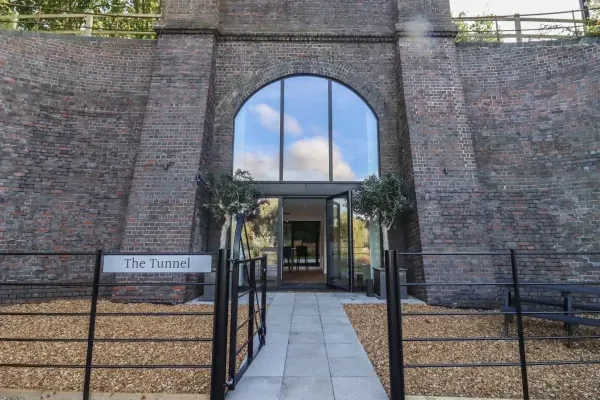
[[477, 31], [30, 7]]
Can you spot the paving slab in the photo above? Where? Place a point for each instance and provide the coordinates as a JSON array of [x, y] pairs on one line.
[[307, 337], [307, 366], [311, 345], [351, 366], [306, 388], [257, 388], [358, 388]]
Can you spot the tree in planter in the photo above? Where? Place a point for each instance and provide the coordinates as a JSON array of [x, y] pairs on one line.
[[231, 195], [381, 200]]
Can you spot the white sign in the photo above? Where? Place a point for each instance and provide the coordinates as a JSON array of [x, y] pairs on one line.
[[151, 264]]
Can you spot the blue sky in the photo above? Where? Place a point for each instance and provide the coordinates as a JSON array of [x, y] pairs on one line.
[[306, 133]]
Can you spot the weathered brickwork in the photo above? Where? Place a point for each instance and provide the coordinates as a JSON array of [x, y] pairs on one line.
[[535, 121], [71, 111], [103, 142], [164, 197], [317, 16], [450, 209]]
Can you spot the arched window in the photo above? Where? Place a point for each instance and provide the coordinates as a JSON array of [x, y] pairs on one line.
[[306, 128]]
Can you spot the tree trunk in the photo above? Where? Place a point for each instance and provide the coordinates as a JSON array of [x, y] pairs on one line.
[[224, 229], [386, 240]]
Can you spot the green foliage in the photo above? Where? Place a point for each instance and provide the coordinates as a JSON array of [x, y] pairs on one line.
[[232, 194], [262, 226], [30, 7], [381, 199], [593, 24], [477, 31]]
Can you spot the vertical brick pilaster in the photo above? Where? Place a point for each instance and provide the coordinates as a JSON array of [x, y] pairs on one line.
[[190, 14], [450, 211], [177, 128]]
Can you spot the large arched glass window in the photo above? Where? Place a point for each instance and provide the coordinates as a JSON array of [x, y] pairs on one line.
[[306, 128]]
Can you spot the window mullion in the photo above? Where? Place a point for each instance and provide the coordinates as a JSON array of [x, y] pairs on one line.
[[330, 113], [281, 129]]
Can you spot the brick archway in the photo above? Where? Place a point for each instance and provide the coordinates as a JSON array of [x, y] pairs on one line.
[[232, 101]]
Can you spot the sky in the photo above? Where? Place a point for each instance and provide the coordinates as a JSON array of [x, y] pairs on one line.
[[509, 7]]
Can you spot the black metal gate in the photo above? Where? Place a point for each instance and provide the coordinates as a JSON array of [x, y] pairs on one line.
[[224, 321]]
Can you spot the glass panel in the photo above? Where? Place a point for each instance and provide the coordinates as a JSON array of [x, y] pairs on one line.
[[338, 244], [262, 235], [257, 134], [354, 150], [306, 129]]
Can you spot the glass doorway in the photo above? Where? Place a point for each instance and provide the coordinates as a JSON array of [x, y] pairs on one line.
[[303, 243], [339, 241]]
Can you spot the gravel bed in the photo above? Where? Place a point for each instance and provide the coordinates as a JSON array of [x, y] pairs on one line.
[[109, 380], [557, 382]]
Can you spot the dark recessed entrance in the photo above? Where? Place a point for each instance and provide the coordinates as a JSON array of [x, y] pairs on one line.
[[314, 242]]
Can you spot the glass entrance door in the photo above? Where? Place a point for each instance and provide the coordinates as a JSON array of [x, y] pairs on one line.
[[339, 241]]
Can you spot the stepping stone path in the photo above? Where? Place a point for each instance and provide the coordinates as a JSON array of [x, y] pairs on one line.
[[312, 352]]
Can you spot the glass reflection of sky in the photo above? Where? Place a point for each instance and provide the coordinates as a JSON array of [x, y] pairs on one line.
[[306, 133]]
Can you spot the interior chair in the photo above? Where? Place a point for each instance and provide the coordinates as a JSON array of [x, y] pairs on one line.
[[287, 257], [301, 253]]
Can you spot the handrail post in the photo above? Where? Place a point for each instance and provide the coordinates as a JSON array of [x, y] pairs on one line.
[[233, 328], [575, 23], [518, 30], [497, 29], [89, 22], [263, 306], [15, 20], [394, 317], [92, 327], [219, 350], [522, 359], [251, 310]]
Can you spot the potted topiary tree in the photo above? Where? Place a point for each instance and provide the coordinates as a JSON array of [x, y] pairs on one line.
[[229, 195], [380, 200]]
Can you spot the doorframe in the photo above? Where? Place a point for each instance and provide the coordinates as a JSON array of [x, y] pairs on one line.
[[280, 231], [348, 195]]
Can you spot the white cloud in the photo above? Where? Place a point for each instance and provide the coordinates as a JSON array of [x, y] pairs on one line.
[[263, 167], [306, 160], [269, 118]]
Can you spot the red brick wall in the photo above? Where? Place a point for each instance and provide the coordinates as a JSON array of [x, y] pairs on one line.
[[71, 112]]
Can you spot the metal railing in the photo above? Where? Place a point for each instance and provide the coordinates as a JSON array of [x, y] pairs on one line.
[[395, 316], [255, 323], [221, 318], [564, 24]]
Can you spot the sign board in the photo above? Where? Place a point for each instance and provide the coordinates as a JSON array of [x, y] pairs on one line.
[[183, 264]]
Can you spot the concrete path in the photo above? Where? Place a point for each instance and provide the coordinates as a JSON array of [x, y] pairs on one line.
[[312, 352]]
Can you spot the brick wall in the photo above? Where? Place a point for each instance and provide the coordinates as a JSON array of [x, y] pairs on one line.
[[71, 111], [338, 16], [449, 194], [174, 147], [533, 110], [245, 66]]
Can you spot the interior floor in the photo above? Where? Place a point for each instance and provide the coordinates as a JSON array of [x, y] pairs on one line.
[[303, 276]]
